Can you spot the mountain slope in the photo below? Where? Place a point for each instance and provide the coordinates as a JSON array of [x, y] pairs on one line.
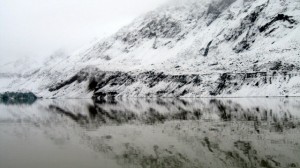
[[186, 48]]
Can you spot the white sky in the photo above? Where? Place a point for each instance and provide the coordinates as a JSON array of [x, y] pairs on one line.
[[37, 28]]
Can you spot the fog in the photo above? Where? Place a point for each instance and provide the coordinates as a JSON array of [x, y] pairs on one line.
[[37, 28]]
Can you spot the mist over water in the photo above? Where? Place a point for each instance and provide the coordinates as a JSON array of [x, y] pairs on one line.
[[151, 133]]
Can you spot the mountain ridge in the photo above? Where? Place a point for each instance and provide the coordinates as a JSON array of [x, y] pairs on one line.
[[215, 38]]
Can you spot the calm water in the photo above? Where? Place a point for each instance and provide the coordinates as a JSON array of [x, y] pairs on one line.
[[151, 133]]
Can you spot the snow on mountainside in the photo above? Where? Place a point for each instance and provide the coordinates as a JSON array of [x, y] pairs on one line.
[[186, 48]]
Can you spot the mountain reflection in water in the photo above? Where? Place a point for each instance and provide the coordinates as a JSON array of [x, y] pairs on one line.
[[151, 133]]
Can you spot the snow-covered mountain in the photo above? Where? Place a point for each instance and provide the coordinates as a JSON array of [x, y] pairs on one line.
[[186, 48]]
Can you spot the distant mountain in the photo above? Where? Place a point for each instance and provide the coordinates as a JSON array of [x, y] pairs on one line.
[[188, 48]]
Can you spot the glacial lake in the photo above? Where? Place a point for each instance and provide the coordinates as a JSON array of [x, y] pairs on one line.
[[151, 133]]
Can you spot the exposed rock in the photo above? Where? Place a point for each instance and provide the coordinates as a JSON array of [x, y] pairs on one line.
[[279, 17], [207, 49]]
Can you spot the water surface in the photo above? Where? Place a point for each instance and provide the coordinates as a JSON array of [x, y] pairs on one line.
[[151, 133]]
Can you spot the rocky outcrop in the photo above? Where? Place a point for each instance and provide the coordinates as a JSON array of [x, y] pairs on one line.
[[109, 84]]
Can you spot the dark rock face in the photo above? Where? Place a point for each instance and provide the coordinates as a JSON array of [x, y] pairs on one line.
[[221, 84], [92, 84], [17, 98], [277, 66], [158, 28], [279, 17], [107, 85], [247, 25], [207, 49], [79, 77], [102, 97], [163, 28], [149, 79]]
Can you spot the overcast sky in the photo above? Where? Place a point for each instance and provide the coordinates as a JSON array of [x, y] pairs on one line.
[[37, 28]]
